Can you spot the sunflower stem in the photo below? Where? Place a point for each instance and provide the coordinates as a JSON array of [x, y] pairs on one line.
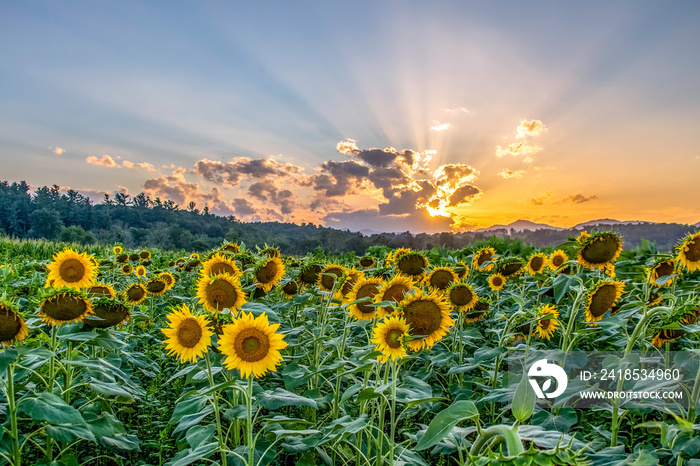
[[215, 400], [49, 386], [249, 419], [392, 412], [12, 413]]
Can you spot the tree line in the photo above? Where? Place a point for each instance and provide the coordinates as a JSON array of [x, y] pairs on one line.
[[141, 221]]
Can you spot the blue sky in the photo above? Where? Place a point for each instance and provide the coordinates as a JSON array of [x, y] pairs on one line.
[[562, 111]]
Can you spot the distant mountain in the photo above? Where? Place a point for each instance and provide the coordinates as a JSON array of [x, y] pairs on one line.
[[368, 232], [697, 225], [520, 225], [607, 221]]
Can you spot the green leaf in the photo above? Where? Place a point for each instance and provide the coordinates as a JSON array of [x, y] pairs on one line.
[[199, 435], [445, 420], [49, 407], [187, 406], [193, 419], [524, 400], [281, 397], [7, 357], [121, 442], [69, 433], [110, 389]]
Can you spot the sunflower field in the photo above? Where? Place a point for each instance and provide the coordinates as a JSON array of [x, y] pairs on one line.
[[242, 356]]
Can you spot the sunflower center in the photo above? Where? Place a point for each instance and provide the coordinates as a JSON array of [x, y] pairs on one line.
[[65, 307], [664, 269], [328, 281], [461, 296], [252, 345], [394, 338], [267, 272], [600, 251], [693, 252], [441, 279], [366, 262], [100, 291], [189, 332], [511, 268], [602, 300], [221, 294], [135, 293], [424, 317], [310, 274], [395, 293], [9, 325], [349, 283], [557, 260], [411, 264], [155, 286], [71, 270], [291, 288], [537, 263], [497, 281], [545, 323], [107, 315], [369, 290], [221, 267], [483, 257]]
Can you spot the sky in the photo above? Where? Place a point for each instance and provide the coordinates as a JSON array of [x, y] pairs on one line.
[[382, 116]]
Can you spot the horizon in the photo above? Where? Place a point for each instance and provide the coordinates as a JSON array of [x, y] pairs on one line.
[[412, 117]]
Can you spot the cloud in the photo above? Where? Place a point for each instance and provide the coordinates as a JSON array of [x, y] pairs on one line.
[[105, 161], [418, 221], [457, 110], [507, 173], [437, 126], [577, 199], [176, 188], [539, 200], [464, 195], [144, 165], [243, 168], [517, 148], [530, 128], [377, 157], [58, 150], [243, 207]]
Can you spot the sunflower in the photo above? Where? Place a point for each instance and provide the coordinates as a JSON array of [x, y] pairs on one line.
[[191, 265], [557, 258], [602, 299], [194, 255], [412, 264], [127, 269], [290, 289], [582, 236], [134, 257], [220, 292], [395, 290], [536, 263], [389, 336], [481, 256], [497, 282], [367, 262], [329, 276], [189, 337], [364, 288], [393, 255], [462, 296], [461, 270], [348, 282], [548, 321], [220, 263], [71, 270], [135, 294], [117, 250], [480, 310], [428, 316], [269, 273], [270, 252], [145, 255], [689, 252], [510, 267], [309, 274], [440, 278], [687, 315], [168, 278], [12, 327], [65, 306], [107, 313], [156, 286], [599, 250], [102, 290], [662, 268], [122, 258], [231, 247], [251, 345]]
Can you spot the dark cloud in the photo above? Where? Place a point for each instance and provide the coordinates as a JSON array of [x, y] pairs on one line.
[[243, 207], [453, 172], [240, 168], [577, 199], [340, 178], [464, 195], [182, 192], [377, 157], [418, 221]]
